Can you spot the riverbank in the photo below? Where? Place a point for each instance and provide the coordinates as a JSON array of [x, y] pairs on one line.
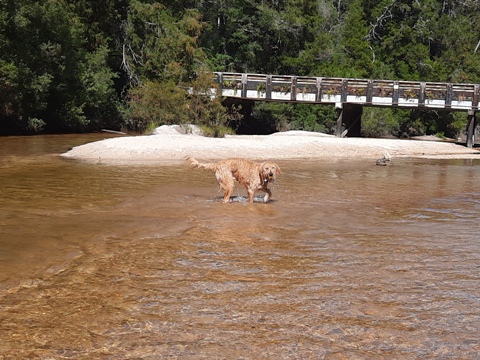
[[170, 144]]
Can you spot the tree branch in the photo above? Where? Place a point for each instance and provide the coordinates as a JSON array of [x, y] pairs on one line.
[[379, 22]]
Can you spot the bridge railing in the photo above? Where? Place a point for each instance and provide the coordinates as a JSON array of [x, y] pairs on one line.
[[326, 90]]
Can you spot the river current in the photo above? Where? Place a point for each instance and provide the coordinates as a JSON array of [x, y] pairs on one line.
[[348, 261]]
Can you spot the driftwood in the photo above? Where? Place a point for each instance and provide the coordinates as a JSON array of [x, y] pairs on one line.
[[386, 159], [114, 132]]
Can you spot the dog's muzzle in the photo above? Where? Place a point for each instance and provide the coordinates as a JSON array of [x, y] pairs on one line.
[[271, 177]]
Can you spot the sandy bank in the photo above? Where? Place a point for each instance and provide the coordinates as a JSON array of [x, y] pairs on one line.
[[168, 145]]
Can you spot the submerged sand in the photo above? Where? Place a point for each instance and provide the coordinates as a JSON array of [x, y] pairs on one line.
[[170, 144]]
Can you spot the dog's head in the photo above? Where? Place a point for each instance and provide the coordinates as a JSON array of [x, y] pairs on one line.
[[269, 171]]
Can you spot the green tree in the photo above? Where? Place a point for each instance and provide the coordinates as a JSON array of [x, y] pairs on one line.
[[313, 118], [70, 65], [158, 46], [163, 60], [358, 58], [48, 71]]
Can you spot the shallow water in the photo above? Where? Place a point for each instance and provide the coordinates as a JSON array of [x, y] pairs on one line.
[[349, 261]]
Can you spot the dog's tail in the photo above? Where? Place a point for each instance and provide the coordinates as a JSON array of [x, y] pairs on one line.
[[194, 163]]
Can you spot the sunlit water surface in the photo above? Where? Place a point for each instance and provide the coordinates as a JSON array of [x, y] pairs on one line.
[[349, 261]]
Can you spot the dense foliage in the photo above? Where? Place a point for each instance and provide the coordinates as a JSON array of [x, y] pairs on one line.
[[83, 65]]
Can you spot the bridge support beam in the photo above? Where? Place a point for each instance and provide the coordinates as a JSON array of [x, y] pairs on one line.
[[349, 121], [471, 125]]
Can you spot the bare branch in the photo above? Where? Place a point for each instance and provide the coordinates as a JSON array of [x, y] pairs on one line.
[[373, 53], [386, 14], [125, 64], [372, 33]]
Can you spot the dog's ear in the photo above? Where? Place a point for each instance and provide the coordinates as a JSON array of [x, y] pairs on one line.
[[279, 171]]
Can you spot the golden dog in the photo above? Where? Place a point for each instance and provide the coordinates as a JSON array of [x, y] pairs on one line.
[[253, 176]]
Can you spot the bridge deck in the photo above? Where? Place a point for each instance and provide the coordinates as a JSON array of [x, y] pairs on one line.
[[325, 90]]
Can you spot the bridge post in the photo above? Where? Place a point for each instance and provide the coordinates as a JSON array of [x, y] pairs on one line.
[[471, 124], [244, 85], [349, 121], [339, 110]]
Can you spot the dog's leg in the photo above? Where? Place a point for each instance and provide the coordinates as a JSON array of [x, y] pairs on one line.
[[226, 182], [251, 193], [267, 195], [226, 197]]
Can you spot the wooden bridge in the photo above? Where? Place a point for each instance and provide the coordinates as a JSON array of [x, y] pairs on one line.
[[350, 95]]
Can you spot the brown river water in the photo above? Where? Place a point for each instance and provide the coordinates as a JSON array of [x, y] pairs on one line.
[[349, 261]]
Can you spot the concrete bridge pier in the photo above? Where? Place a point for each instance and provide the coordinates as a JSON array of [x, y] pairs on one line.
[[471, 125], [349, 121]]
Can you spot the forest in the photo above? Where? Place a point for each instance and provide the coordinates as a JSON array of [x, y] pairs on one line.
[[71, 66]]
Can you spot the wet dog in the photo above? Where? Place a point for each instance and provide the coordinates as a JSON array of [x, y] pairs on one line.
[[254, 176]]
